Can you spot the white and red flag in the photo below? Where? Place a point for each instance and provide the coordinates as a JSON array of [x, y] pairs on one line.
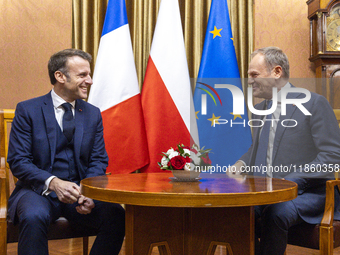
[[116, 92], [166, 93]]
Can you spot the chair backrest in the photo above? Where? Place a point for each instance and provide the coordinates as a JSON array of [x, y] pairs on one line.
[[337, 115], [6, 118]]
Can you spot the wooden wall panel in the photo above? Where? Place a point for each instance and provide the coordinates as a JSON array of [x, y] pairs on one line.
[[30, 32], [285, 24]]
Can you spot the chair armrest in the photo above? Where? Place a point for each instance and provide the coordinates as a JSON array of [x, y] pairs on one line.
[[3, 191], [3, 200], [328, 216], [2, 167]]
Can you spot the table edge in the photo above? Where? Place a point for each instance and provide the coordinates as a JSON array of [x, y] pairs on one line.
[[190, 199]]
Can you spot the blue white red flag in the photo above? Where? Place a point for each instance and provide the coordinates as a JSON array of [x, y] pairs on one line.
[[116, 92]]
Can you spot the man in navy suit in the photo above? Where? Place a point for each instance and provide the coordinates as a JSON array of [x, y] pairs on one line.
[[296, 141], [52, 147]]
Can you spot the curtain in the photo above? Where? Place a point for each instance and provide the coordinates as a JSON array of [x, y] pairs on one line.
[[88, 18]]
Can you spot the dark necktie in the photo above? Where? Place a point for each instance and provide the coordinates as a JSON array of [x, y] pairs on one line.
[[68, 121], [261, 155]]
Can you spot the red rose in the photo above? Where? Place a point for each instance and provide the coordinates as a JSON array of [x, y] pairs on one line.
[[178, 162], [206, 159]]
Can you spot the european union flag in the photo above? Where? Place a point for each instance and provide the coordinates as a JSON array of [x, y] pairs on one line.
[[226, 133]]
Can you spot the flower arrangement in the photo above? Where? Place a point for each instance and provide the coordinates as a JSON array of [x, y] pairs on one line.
[[185, 158]]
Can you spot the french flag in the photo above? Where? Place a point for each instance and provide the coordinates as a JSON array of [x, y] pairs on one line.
[[166, 93], [116, 92]]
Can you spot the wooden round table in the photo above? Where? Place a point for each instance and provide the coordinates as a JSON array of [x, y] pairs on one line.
[[188, 217]]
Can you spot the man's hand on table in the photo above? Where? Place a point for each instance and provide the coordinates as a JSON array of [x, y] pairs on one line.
[[235, 170]]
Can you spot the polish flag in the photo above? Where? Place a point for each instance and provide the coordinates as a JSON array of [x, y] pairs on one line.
[[166, 93], [116, 92]]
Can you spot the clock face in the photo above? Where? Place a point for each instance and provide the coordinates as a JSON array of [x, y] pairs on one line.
[[333, 35], [333, 30]]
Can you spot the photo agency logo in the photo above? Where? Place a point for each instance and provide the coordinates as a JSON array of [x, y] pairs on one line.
[[238, 106]]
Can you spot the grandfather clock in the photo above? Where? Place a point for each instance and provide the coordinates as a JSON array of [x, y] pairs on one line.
[[324, 16]]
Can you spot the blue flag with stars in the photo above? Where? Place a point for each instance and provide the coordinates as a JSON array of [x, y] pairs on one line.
[[226, 134]]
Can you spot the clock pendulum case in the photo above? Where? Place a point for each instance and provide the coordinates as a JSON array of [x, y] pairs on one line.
[[324, 17]]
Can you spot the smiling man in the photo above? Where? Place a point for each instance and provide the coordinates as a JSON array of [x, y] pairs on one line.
[[314, 143], [263, 77], [57, 140]]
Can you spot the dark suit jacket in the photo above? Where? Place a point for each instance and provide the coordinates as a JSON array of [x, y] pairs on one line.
[[313, 144], [32, 144]]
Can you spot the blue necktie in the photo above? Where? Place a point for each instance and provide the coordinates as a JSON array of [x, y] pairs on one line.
[[261, 155], [68, 121]]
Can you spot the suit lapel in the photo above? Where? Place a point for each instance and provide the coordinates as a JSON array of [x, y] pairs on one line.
[[79, 131], [280, 128], [256, 134], [50, 123]]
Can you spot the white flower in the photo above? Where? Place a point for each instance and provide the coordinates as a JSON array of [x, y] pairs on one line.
[[186, 151], [171, 150], [165, 161], [188, 167], [195, 159], [173, 154]]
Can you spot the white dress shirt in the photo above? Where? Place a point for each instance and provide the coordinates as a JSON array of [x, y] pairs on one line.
[[275, 119]]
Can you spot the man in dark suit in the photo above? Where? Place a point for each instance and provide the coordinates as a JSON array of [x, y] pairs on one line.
[[52, 147], [291, 149]]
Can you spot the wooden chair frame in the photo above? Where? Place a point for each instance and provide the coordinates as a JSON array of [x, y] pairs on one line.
[[326, 232], [326, 235]]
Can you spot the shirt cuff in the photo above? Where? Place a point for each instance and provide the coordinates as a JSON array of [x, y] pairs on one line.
[[46, 191], [244, 163]]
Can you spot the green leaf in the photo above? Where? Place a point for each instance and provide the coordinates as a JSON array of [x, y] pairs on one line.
[[180, 149]]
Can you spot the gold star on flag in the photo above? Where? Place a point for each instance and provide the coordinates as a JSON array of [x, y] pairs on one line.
[[196, 113], [216, 32], [214, 120], [236, 116]]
